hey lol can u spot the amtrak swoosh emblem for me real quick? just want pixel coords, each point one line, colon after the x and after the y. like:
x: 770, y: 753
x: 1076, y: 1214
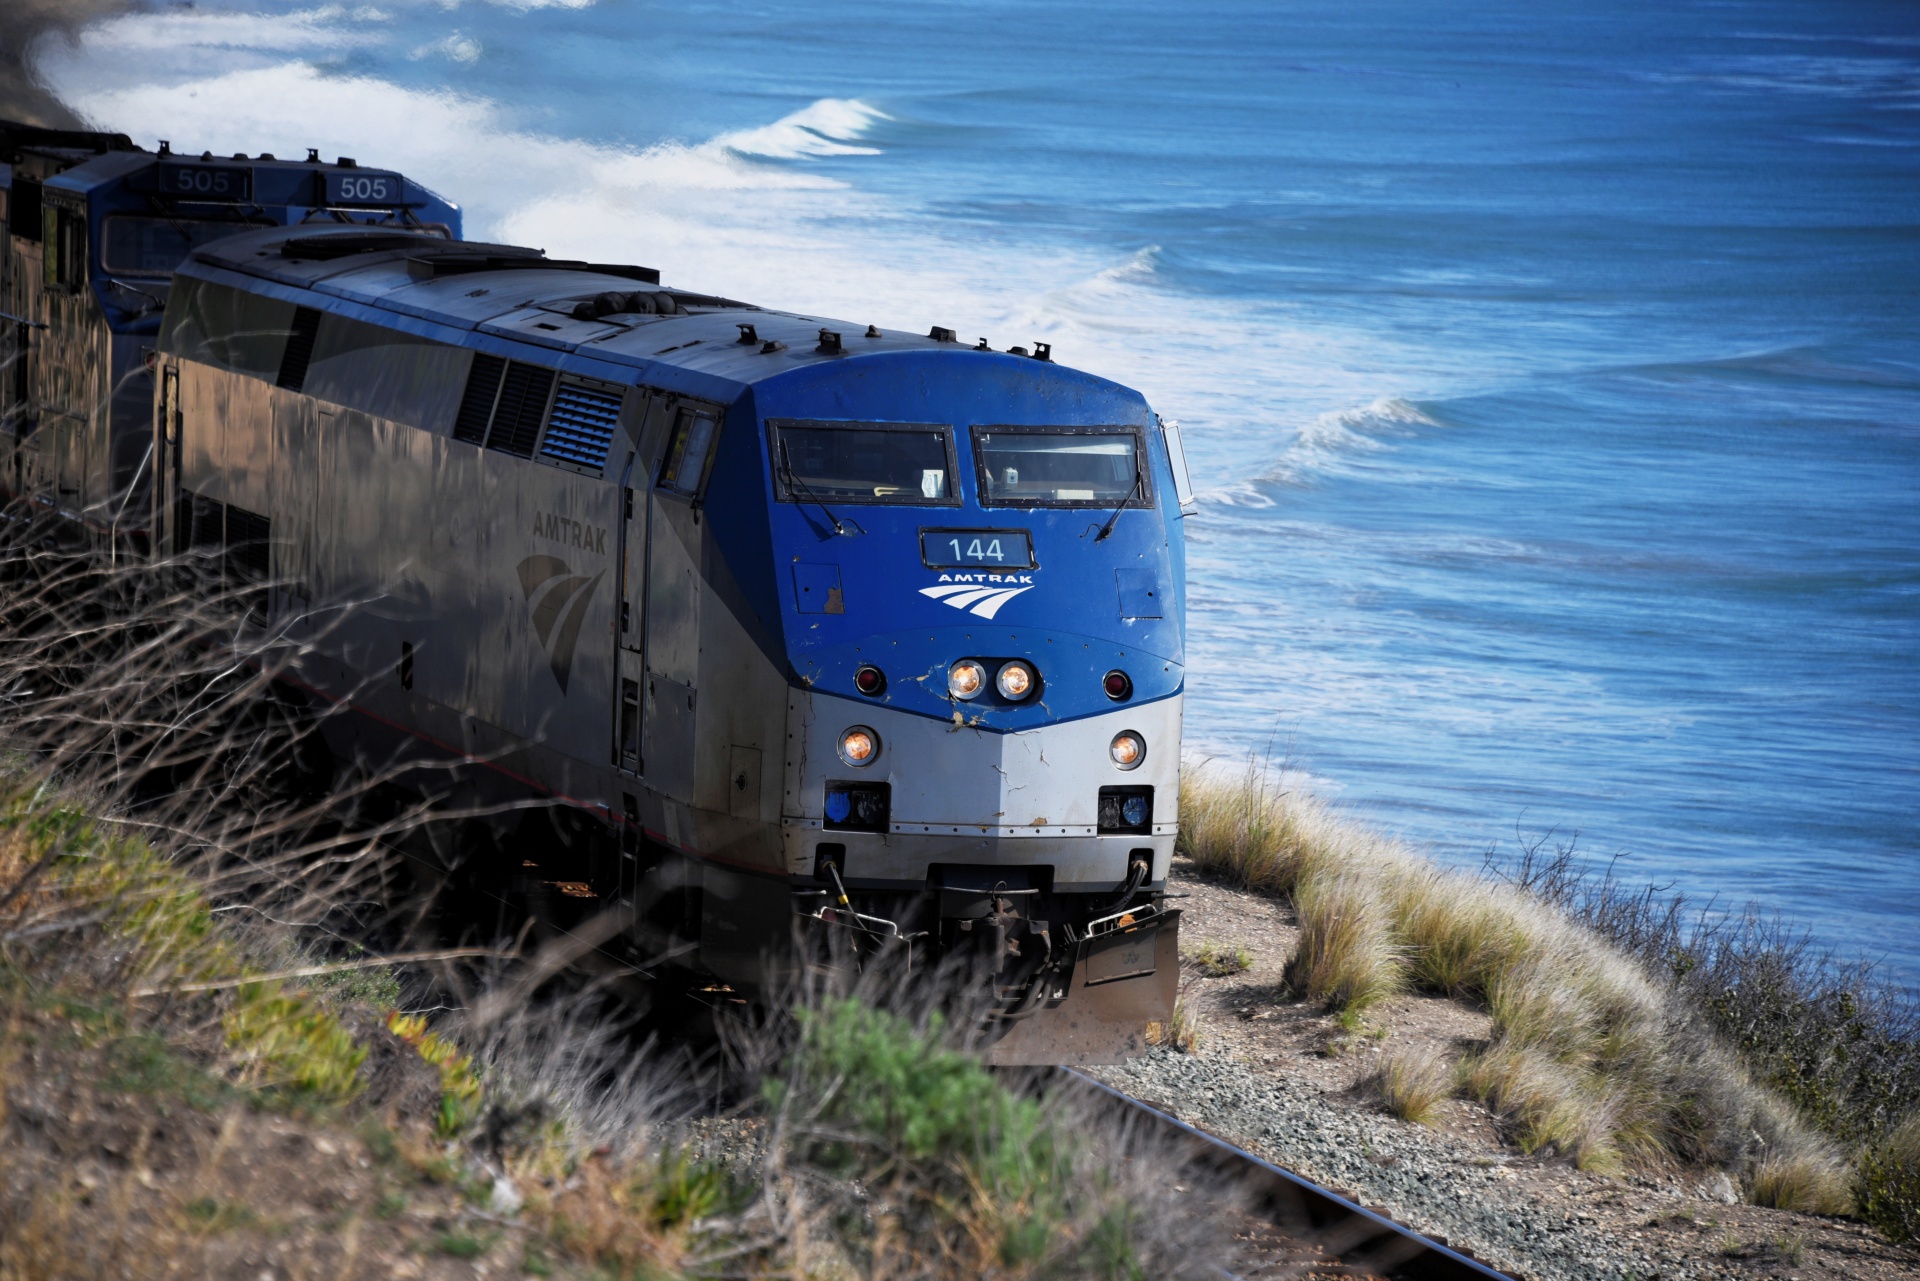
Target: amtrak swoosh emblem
x: 982, y: 601
x: 557, y: 598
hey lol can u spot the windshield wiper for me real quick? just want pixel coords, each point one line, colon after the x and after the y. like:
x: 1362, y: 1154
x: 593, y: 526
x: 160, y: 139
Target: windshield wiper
x: 794, y: 482
x: 1135, y: 488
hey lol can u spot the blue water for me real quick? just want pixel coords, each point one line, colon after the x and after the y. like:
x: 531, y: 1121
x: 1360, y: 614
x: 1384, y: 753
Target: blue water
x: 1550, y: 373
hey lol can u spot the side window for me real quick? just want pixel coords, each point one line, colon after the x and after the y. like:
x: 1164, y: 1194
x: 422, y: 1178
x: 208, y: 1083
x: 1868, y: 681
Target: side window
x: 64, y: 233
x: 1177, y: 457
x: 218, y: 325
x: 690, y: 454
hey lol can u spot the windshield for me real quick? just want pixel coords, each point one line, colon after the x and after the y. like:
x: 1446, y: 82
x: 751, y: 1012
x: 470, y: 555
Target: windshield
x: 852, y: 462
x: 140, y: 246
x: 1058, y: 466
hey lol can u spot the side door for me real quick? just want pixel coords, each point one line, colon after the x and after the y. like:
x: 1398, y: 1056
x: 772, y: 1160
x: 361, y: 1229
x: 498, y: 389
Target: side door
x: 673, y: 592
x: 168, y: 533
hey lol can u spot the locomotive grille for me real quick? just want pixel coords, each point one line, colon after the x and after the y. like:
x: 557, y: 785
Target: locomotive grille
x: 476, y: 406
x: 523, y: 403
x: 299, y: 350
x: 581, y: 429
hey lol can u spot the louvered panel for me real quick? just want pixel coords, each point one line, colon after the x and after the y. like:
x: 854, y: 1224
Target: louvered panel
x: 580, y: 430
x: 523, y: 403
x: 476, y: 405
x: 299, y: 350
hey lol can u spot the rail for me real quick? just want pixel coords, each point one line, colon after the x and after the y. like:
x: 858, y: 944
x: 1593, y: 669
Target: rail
x: 1350, y: 1239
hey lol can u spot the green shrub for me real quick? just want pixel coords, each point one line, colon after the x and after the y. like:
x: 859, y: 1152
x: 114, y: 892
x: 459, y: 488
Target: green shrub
x: 955, y: 1165
x: 1886, y: 1187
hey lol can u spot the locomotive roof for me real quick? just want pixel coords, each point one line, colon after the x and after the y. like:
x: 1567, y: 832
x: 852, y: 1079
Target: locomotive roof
x: 519, y: 293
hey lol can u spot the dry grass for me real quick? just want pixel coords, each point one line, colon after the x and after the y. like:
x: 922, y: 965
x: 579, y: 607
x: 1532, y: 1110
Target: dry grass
x: 1183, y: 1032
x: 1410, y: 1083
x: 1809, y: 1184
x: 1589, y: 1057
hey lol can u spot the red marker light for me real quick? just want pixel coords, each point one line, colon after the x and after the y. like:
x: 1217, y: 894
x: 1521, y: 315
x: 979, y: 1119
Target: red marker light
x: 1119, y: 686
x: 870, y: 680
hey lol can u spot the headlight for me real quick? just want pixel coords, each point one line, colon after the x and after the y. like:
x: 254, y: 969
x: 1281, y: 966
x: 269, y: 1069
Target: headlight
x: 1128, y: 749
x: 966, y: 678
x: 859, y: 745
x: 1015, y: 681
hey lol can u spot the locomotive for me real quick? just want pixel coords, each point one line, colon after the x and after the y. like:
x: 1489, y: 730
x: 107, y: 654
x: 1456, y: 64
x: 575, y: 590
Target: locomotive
x: 91, y: 228
x: 782, y: 621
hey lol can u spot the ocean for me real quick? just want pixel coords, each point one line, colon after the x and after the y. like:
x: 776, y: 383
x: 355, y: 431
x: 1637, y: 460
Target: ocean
x: 1550, y: 373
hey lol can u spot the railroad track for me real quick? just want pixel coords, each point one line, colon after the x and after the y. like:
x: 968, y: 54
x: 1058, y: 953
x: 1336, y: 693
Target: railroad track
x: 1319, y: 1232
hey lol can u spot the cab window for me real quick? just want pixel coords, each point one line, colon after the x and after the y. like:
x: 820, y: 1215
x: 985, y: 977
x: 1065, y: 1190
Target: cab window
x: 136, y: 245
x: 863, y: 462
x: 1059, y: 466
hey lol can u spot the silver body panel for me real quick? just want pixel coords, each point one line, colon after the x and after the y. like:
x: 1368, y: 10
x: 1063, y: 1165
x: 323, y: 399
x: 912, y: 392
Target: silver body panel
x: 964, y: 795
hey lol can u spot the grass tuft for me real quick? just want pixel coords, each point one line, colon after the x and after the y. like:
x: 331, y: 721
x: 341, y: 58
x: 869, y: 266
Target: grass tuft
x: 1347, y: 956
x: 1182, y: 1032
x: 1410, y: 1083
x: 1809, y: 1183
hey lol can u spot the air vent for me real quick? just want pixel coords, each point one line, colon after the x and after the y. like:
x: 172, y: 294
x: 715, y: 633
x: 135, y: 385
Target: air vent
x: 580, y: 431
x: 476, y: 406
x: 523, y: 403
x: 299, y: 350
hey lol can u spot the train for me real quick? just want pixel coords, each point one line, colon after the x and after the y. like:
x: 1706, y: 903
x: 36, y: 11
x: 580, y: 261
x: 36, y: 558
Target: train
x: 91, y: 228
x: 759, y: 627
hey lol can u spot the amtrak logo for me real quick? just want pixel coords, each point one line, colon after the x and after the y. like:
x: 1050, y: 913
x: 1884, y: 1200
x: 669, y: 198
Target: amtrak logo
x: 965, y: 592
x: 557, y: 598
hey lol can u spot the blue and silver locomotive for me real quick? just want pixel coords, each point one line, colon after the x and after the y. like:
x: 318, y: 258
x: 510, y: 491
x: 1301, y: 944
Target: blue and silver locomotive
x: 91, y: 228
x: 788, y: 619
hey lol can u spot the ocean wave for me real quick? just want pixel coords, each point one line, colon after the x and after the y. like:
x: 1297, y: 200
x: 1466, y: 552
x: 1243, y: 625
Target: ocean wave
x: 828, y: 127
x: 744, y: 213
x: 1331, y: 441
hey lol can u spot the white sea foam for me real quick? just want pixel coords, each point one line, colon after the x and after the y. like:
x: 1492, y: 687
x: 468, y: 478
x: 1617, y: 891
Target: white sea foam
x: 829, y: 127
x: 746, y: 213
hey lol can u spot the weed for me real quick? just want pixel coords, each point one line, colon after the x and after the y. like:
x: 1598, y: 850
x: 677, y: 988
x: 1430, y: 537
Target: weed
x: 380, y: 1141
x: 390, y: 1205
x: 146, y: 1064
x: 1791, y: 1247
x: 680, y: 1190
x: 211, y: 1215
x: 460, y: 1091
x: 461, y: 1245
x: 1181, y: 1032
x: 1220, y: 960
x: 291, y: 1042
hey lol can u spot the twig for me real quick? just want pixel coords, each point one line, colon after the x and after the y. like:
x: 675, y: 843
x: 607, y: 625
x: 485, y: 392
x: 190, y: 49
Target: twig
x: 314, y: 971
